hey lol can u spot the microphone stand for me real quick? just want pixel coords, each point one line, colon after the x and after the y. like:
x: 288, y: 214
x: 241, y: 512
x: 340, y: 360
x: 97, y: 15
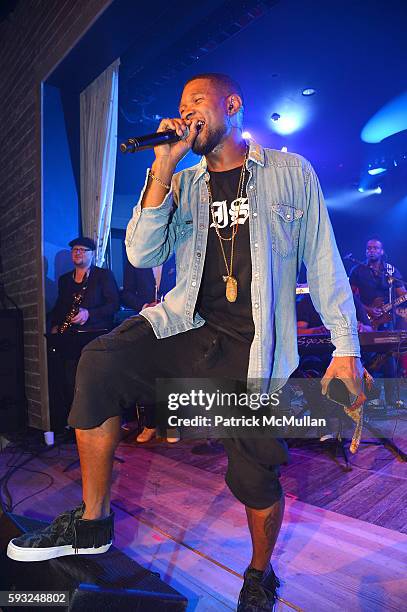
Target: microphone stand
x: 390, y: 280
x: 349, y: 257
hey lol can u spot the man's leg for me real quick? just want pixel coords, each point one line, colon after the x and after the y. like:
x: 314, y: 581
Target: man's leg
x: 264, y: 528
x: 99, y: 442
x: 253, y: 477
x: 150, y: 426
x: 109, y: 376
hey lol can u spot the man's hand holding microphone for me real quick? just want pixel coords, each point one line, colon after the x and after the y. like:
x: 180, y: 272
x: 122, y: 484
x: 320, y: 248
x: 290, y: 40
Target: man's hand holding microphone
x: 167, y: 157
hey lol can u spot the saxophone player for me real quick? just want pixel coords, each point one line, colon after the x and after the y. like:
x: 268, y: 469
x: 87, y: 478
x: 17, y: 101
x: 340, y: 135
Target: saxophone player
x: 87, y: 299
x: 96, y: 288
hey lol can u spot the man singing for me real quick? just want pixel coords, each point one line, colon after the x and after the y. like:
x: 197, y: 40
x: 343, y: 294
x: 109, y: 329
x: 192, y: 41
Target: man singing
x: 240, y: 223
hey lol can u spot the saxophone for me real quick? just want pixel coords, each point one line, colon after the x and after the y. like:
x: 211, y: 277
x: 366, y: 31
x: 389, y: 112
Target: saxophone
x: 77, y: 300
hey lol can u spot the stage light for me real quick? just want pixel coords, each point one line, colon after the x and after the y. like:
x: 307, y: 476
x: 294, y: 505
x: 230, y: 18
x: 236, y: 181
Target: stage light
x: 284, y: 149
x: 246, y: 135
x: 309, y: 91
x: 389, y: 120
x: 346, y: 198
x: 368, y: 191
x: 374, y: 171
x: 287, y: 124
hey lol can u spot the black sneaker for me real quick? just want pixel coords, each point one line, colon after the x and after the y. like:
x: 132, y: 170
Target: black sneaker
x: 68, y: 534
x: 259, y: 591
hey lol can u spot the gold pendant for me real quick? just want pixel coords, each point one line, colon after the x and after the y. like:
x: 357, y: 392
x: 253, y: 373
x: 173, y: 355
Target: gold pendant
x: 231, y: 288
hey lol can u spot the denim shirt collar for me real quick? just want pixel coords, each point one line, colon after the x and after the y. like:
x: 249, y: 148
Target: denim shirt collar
x: 256, y: 155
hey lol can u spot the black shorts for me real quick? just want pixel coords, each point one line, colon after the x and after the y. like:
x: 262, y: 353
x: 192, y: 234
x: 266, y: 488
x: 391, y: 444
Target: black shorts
x: 119, y: 369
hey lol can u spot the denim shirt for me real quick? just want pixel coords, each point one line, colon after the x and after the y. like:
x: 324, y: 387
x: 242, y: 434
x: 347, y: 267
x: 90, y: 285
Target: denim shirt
x: 288, y: 225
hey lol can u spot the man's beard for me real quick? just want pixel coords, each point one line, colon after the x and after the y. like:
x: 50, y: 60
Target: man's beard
x: 212, y: 140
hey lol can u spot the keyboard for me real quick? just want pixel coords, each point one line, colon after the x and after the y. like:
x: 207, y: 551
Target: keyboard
x: 375, y: 341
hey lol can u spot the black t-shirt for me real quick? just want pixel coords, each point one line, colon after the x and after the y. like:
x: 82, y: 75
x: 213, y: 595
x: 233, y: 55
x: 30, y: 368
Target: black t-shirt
x: 371, y: 285
x: 234, y: 318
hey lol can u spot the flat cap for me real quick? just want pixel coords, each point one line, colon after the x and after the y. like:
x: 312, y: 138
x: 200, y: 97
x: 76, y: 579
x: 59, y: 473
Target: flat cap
x: 83, y: 241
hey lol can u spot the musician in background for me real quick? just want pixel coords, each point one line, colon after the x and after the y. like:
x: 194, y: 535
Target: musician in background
x: 371, y: 283
x: 88, y: 298
x: 142, y: 288
x: 100, y: 295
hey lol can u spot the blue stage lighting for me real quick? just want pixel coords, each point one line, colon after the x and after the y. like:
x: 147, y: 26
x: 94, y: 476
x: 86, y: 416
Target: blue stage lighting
x: 287, y: 124
x: 377, y: 190
x: 389, y: 120
x: 374, y: 171
x: 246, y: 135
x: 347, y: 198
x: 309, y: 91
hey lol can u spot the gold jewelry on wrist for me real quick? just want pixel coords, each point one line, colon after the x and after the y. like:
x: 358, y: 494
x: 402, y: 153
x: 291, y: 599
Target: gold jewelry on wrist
x: 159, y: 181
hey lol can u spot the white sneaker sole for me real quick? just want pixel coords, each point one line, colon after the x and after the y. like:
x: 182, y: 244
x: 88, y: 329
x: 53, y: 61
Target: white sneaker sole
x: 18, y: 553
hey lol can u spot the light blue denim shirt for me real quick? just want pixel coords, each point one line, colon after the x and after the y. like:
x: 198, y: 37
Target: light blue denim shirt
x: 288, y: 225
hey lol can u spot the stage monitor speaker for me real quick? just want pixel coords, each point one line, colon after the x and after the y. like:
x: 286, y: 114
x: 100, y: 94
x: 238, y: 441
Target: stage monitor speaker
x: 111, y: 581
x: 12, y: 392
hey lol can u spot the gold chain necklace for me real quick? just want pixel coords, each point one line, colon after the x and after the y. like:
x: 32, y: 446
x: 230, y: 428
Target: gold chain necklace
x: 229, y: 279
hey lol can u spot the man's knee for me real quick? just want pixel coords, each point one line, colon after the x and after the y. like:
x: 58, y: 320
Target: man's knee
x: 107, y: 429
x: 253, y: 480
x: 258, y: 490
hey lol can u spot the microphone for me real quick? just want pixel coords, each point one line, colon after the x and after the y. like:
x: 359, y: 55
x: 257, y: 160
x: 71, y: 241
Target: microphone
x: 141, y: 143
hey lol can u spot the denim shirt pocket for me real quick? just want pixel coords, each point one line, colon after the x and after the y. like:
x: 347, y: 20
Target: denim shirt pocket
x: 184, y: 229
x: 285, y: 221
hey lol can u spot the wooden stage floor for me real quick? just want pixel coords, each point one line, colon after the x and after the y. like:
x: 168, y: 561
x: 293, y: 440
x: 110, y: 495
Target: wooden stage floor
x: 343, y: 545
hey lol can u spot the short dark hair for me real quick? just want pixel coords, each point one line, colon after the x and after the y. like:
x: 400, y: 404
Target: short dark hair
x: 223, y: 82
x: 376, y: 239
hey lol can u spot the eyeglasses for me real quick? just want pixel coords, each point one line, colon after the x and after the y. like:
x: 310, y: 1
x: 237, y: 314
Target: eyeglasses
x: 80, y: 250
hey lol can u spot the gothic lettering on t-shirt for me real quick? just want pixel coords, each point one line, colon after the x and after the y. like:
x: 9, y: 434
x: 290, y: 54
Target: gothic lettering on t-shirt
x: 230, y: 213
x: 225, y: 215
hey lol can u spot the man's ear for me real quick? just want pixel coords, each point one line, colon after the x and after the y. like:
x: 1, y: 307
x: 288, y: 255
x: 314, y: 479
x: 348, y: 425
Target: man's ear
x: 233, y: 104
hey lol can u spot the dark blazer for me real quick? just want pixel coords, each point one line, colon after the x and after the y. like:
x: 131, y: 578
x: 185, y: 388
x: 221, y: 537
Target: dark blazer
x: 139, y: 284
x: 101, y: 299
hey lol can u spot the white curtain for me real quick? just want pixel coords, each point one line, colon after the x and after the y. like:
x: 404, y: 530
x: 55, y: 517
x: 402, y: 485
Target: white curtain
x: 98, y: 126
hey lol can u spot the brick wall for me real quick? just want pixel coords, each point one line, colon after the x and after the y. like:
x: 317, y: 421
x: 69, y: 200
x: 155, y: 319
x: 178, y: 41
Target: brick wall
x: 33, y: 39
